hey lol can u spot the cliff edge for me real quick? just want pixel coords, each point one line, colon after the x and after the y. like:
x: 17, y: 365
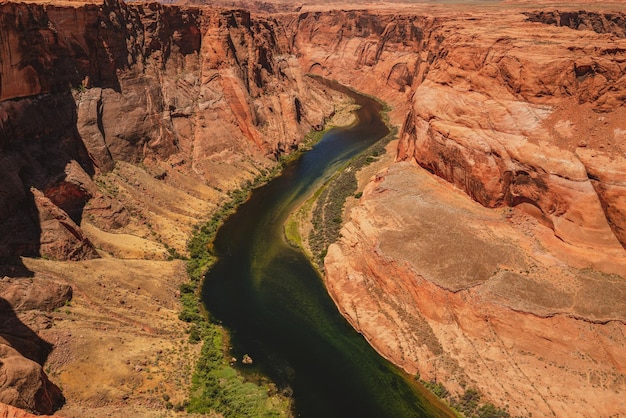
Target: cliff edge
x: 504, y: 273
x: 488, y: 257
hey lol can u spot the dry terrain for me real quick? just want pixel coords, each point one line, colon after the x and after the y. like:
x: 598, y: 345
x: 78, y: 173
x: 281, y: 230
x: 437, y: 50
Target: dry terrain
x: 479, y: 298
x: 487, y: 249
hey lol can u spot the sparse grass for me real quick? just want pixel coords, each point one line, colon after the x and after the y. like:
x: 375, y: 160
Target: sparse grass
x: 216, y: 385
x: 327, y: 213
x: 292, y: 232
x: 468, y: 404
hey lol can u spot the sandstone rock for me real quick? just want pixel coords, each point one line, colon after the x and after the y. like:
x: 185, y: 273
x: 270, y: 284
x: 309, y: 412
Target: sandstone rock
x: 25, y: 385
x: 454, y: 291
x: 495, y: 104
x: 210, y: 105
x: 106, y: 213
x: 481, y: 101
x: 41, y: 150
x: 60, y: 238
x: 34, y: 293
x: 489, y: 111
x: 491, y: 139
x: 614, y: 23
x: 8, y: 411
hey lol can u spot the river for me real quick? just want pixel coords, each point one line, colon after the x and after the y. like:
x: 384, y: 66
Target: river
x: 275, y: 305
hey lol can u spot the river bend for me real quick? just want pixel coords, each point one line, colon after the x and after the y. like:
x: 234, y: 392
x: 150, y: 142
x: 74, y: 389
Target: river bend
x: 276, y: 307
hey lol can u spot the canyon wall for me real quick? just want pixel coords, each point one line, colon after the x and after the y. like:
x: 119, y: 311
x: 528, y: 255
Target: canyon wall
x: 523, y: 113
x: 213, y: 93
x: 121, y: 128
x: 123, y: 125
x: 528, y: 121
x: 492, y: 112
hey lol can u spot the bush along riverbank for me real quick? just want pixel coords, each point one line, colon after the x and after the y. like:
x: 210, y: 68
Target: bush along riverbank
x: 324, y: 209
x: 327, y: 214
x: 216, y: 384
x: 468, y: 404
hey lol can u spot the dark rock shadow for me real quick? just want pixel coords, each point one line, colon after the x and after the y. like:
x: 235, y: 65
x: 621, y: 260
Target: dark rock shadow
x: 13, y: 267
x: 14, y: 333
x: 38, y: 140
x: 19, y: 336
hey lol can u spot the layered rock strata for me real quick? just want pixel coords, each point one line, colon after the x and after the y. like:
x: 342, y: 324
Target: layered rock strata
x: 168, y: 108
x: 122, y: 127
x: 524, y: 301
x: 213, y: 93
x: 24, y: 308
x: 475, y: 298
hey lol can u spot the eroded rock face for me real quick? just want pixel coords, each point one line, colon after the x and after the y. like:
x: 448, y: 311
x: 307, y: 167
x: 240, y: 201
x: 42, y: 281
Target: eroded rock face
x: 23, y: 303
x: 613, y: 23
x: 504, y: 125
x: 217, y: 93
x: 510, y: 110
x: 471, y: 297
x: 8, y: 411
x: 380, y: 54
x: 40, y: 151
x: 514, y: 114
x: 498, y: 112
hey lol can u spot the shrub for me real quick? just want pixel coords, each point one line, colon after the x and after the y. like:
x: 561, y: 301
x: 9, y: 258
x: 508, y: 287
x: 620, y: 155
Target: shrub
x: 216, y: 386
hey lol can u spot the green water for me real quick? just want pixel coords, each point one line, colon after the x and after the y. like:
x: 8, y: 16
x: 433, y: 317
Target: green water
x: 277, y: 310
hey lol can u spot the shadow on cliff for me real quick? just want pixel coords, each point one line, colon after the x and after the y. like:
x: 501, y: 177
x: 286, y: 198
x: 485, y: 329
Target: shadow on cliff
x: 44, y: 397
x: 21, y: 337
x: 13, y: 267
x: 61, y: 54
x: 39, y: 140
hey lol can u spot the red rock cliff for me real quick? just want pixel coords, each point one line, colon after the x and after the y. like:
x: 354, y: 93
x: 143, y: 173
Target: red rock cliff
x: 203, y: 98
x: 514, y: 113
x: 516, y: 110
x: 84, y: 87
x: 509, y: 119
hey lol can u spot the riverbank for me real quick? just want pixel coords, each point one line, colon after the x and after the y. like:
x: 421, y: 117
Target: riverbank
x: 120, y: 346
x: 272, y: 299
x: 218, y: 384
x: 315, y: 224
x: 319, y: 222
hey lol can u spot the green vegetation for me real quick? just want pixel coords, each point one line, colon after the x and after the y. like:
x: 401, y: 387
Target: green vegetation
x: 292, y: 230
x: 327, y: 214
x: 172, y: 253
x: 216, y: 385
x: 438, y: 389
x: 331, y: 197
x: 466, y: 405
x: 80, y: 88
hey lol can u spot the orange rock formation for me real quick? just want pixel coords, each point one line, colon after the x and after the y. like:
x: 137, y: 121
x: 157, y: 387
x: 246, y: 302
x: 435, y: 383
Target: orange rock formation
x: 515, y: 111
x: 189, y: 102
x: 503, y: 272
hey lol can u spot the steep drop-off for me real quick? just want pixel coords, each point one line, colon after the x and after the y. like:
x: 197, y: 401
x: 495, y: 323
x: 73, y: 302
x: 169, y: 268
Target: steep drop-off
x: 523, y: 302
x: 503, y: 272
x: 85, y: 87
x: 121, y: 127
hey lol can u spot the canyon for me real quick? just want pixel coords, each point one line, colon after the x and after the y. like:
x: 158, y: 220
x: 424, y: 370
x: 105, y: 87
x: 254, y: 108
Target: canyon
x: 487, y: 250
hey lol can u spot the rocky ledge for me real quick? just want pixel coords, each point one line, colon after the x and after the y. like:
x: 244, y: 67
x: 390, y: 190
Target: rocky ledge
x: 505, y: 272
x: 498, y: 265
